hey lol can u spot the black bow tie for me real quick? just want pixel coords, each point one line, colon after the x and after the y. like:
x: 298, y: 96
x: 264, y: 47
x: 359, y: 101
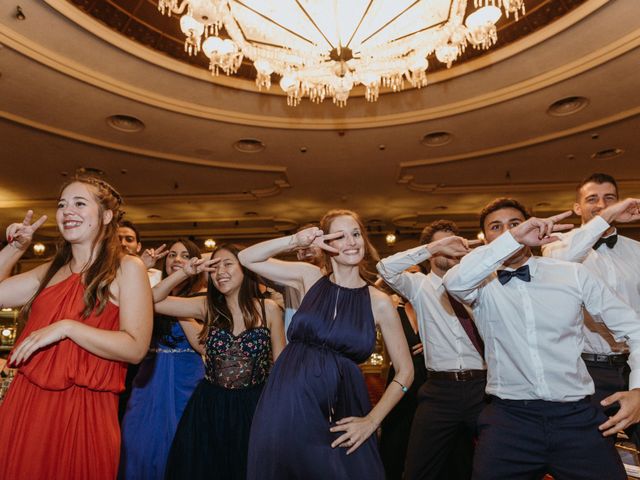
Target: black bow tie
x: 522, y: 273
x: 610, y: 241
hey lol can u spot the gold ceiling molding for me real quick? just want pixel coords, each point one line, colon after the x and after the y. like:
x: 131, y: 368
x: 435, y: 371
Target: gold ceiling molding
x: 154, y: 154
x: 407, y: 178
x: 503, y: 188
x: 80, y: 72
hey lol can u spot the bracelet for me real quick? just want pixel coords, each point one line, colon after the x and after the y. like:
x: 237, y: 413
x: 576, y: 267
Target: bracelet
x: 404, y: 389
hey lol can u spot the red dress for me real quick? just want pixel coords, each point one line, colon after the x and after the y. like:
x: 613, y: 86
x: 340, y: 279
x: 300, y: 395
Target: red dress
x: 59, y: 419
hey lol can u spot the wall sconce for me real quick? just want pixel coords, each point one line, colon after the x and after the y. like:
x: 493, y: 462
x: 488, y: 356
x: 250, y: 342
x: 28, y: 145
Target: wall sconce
x: 20, y: 14
x: 210, y: 244
x: 39, y: 249
x: 390, y: 239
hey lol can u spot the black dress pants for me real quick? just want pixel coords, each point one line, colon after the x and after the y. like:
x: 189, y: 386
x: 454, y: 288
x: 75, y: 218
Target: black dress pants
x: 443, y: 430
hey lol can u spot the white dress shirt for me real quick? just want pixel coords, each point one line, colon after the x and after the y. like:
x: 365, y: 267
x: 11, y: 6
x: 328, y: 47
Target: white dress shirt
x: 446, y: 344
x: 533, y: 330
x: 619, y: 267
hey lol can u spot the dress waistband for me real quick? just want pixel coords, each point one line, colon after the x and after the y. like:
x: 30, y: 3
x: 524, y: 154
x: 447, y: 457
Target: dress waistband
x: 171, y: 350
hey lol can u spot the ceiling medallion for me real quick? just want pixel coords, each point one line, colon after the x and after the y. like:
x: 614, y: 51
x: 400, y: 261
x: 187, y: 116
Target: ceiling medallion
x: 323, y: 48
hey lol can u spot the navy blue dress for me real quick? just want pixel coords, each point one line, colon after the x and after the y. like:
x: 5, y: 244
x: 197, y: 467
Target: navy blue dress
x: 316, y: 381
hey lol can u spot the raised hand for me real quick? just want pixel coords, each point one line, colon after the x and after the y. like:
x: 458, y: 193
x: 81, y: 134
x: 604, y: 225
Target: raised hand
x: 539, y: 231
x: 452, y: 246
x: 151, y: 255
x: 19, y: 235
x: 625, y: 211
x: 315, y: 236
x: 196, y: 266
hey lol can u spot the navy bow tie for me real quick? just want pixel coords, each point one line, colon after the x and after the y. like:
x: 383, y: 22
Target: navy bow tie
x: 610, y: 241
x: 522, y: 273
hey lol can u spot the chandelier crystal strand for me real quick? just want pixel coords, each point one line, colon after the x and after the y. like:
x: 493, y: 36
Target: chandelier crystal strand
x: 330, y: 47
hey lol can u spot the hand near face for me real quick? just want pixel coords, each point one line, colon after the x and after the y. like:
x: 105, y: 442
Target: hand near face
x: 625, y: 211
x: 196, y: 266
x: 151, y: 255
x: 19, y: 235
x: 539, y: 231
x: 451, y: 246
x: 314, y: 236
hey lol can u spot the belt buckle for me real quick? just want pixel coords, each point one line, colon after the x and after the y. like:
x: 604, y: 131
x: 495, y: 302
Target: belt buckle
x: 463, y: 375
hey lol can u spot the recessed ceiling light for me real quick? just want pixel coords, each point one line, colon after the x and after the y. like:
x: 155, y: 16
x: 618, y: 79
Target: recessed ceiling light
x: 607, y: 154
x: 125, y: 123
x: 250, y: 214
x: 436, y: 139
x: 153, y: 215
x: 249, y: 145
x: 567, y: 106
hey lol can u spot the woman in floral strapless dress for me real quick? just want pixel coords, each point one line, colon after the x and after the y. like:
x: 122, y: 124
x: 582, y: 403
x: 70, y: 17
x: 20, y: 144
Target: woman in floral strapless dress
x: 243, y: 335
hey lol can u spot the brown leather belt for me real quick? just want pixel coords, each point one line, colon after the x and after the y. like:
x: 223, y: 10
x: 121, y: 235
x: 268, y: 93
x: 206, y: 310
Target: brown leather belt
x: 458, y: 376
x: 616, y: 359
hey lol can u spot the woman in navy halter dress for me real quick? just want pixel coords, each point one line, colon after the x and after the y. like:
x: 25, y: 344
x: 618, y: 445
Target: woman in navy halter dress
x: 314, y: 419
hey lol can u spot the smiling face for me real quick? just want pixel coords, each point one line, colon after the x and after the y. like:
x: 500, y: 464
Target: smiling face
x: 351, y: 245
x: 79, y: 216
x: 228, y: 275
x: 178, y: 255
x: 594, y: 197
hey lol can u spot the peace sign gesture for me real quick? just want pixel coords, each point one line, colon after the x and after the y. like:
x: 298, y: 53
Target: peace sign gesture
x: 151, y: 255
x: 315, y: 236
x: 19, y: 235
x: 539, y: 231
x: 196, y: 266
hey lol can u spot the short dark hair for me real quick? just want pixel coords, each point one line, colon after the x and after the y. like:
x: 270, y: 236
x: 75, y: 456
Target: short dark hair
x: 499, y: 204
x: 128, y: 224
x: 438, y: 226
x: 598, y: 178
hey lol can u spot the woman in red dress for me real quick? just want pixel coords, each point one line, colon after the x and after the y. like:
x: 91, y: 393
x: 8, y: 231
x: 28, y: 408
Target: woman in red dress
x: 89, y: 312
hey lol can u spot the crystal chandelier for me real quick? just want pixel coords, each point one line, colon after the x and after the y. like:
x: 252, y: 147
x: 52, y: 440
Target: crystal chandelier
x: 323, y: 48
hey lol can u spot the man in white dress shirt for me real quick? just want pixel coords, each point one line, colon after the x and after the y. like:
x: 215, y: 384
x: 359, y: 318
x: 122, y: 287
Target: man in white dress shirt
x: 451, y: 399
x: 529, y: 312
x: 616, y: 259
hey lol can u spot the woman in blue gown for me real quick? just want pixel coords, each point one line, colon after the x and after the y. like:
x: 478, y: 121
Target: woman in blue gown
x: 164, y: 382
x: 314, y: 419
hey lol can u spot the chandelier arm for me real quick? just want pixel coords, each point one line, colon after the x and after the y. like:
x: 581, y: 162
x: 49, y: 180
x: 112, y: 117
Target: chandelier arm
x: 181, y: 8
x: 315, y: 25
x: 360, y: 23
x: 391, y: 21
x: 271, y: 20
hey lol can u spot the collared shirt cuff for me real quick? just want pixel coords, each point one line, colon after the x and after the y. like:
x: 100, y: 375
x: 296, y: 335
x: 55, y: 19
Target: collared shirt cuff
x: 634, y: 379
x: 597, y: 224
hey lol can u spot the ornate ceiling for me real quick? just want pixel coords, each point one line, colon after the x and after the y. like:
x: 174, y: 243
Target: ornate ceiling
x: 480, y: 129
